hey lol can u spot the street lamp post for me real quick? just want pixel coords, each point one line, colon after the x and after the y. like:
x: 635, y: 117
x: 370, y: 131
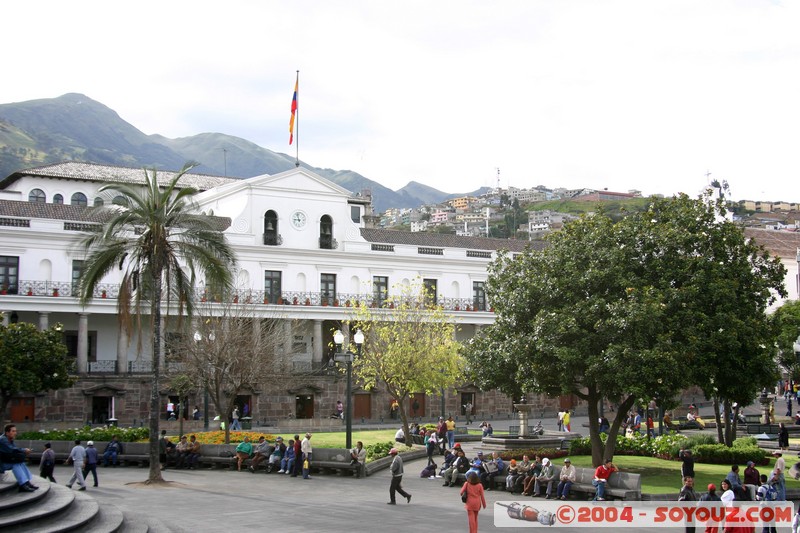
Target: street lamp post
x: 197, y: 339
x: 347, y: 357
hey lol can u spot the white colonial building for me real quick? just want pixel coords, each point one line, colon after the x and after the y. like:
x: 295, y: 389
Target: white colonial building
x: 306, y: 251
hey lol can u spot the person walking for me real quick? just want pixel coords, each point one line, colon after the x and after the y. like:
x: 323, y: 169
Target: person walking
x: 91, y: 462
x: 473, y: 498
x: 235, y: 426
x: 47, y: 463
x: 397, y: 478
x: 77, y: 457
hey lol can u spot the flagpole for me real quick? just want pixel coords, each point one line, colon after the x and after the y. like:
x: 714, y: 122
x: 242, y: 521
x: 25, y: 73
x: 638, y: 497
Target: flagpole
x: 297, y: 118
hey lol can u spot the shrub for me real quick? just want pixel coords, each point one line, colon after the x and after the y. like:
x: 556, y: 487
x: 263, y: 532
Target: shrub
x: 379, y: 450
x: 721, y: 454
x: 88, y: 433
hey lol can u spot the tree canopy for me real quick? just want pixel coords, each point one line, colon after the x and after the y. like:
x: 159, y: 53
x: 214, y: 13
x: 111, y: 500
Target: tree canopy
x: 409, y: 347
x: 786, y: 320
x: 32, y: 361
x: 635, y: 309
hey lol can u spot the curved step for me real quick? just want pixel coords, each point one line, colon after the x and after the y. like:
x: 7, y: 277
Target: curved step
x: 109, y: 519
x: 140, y: 523
x: 13, y: 498
x: 83, y: 509
x: 58, y: 499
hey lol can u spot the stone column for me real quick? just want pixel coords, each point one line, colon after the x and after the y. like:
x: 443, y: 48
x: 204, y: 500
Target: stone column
x: 316, y: 356
x: 83, y: 343
x: 346, y: 333
x: 122, y: 351
x: 287, y: 338
x: 44, y: 320
x: 5, y: 318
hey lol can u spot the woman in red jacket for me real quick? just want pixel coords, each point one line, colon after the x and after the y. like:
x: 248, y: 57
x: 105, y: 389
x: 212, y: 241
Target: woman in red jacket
x: 475, y: 499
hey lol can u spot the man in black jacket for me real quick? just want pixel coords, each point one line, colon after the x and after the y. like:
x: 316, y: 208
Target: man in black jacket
x: 13, y: 458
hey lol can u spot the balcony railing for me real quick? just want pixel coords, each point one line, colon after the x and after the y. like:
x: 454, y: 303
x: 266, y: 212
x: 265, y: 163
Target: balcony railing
x: 102, y: 367
x: 65, y: 289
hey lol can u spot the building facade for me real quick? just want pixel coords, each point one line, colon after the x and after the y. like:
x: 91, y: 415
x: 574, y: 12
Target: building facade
x: 305, y: 255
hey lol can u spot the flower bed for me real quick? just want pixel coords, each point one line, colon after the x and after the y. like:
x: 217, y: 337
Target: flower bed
x: 88, y: 433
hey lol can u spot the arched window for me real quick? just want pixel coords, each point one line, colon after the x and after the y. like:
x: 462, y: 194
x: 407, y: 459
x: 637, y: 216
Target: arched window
x: 79, y: 199
x: 37, y: 195
x: 119, y: 200
x: 326, y: 240
x: 58, y: 199
x: 98, y: 202
x: 271, y: 236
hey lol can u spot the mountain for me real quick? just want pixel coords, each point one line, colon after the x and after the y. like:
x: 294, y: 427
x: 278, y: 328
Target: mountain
x: 75, y: 127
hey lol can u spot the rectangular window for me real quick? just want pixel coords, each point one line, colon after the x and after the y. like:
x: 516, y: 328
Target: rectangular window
x: 380, y: 289
x: 430, y: 291
x: 71, y: 340
x: 272, y: 286
x: 327, y: 288
x: 355, y: 213
x: 77, y: 271
x: 479, y: 295
x: 9, y: 274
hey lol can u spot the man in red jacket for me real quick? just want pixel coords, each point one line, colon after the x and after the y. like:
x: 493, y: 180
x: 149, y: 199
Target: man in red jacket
x: 601, y: 475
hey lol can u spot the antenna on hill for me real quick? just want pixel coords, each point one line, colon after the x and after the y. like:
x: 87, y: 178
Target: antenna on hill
x: 225, y: 161
x: 498, y: 178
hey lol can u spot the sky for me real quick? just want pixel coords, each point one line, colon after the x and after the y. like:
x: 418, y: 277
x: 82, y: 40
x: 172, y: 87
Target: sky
x: 607, y: 94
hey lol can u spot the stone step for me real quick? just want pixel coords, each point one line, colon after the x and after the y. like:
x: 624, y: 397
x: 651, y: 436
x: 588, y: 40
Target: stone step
x: 58, y: 500
x: 7, y: 484
x: 109, y: 519
x: 80, y: 512
x: 139, y: 522
x: 13, y: 498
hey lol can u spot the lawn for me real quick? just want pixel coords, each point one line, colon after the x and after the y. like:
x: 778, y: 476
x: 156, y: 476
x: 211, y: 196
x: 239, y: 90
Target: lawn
x: 660, y: 476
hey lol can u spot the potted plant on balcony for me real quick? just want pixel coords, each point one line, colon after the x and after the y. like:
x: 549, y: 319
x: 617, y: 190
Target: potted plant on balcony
x: 308, y: 301
x: 266, y: 300
x: 30, y: 291
x: 294, y: 301
x: 236, y: 298
x: 103, y: 294
x: 280, y: 300
x: 55, y: 291
x: 4, y: 289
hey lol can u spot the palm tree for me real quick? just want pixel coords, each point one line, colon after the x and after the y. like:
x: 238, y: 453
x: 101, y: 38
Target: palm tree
x: 150, y: 234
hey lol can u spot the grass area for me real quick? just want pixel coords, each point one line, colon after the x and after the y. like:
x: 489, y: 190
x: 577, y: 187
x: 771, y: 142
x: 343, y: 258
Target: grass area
x: 660, y: 476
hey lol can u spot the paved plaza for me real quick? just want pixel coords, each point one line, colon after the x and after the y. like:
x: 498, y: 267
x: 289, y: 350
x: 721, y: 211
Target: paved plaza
x: 226, y: 500
x: 223, y: 500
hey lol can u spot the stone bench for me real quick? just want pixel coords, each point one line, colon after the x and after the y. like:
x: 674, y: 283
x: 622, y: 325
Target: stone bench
x: 334, y: 459
x: 621, y: 485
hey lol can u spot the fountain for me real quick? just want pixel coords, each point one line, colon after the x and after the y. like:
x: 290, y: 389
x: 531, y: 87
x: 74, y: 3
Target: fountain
x: 523, y: 440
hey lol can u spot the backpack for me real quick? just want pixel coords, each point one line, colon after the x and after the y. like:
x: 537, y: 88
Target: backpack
x: 771, y: 493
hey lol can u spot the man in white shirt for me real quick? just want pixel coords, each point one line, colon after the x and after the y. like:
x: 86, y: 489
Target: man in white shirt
x: 77, y: 457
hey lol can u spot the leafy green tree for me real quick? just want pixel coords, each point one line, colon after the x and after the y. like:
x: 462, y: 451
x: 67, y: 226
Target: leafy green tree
x: 151, y: 235
x: 719, y: 285
x: 409, y: 347
x: 32, y: 361
x: 786, y: 320
x: 624, y: 310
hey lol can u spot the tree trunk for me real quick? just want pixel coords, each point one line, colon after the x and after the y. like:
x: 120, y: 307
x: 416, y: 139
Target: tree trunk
x: 735, y: 423
x: 720, y: 436
x: 726, y: 405
x: 594, y: 428
x: 611, y: 442
x: 401, y: 403
x: 154, y: 475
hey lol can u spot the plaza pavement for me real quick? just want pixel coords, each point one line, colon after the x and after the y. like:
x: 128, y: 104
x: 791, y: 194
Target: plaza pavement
x: 223, y: 500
